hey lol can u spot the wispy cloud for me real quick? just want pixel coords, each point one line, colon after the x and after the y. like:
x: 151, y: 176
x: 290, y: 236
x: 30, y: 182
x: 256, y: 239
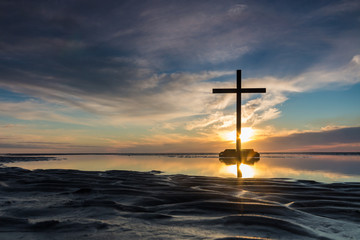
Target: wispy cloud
x: 266, y: 107
x: 159, y: 97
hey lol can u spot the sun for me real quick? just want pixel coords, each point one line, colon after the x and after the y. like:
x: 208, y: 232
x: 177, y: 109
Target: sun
x: 247, y: 134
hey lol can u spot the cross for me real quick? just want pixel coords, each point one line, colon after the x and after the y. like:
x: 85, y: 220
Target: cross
x: 238, y: 90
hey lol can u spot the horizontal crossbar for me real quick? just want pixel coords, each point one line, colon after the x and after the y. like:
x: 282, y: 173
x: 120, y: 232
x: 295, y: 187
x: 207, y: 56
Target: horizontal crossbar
x: 253, y: 90
x: 242, y: 90
x: 224, y: 90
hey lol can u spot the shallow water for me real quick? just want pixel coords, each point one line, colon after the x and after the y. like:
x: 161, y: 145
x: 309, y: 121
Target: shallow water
x: 325, y: 167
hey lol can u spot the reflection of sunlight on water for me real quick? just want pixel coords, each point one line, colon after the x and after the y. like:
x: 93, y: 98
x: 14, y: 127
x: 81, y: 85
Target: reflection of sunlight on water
x: 267, y: 171
x: 228, y: 169
x: 246, y: 170
x: 315, y: 167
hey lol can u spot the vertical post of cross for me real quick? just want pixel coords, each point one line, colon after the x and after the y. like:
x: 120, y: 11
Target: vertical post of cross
x: 238, y: 123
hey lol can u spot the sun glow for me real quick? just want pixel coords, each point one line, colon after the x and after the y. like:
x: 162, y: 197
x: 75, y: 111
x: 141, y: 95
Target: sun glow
x: 247, y: 134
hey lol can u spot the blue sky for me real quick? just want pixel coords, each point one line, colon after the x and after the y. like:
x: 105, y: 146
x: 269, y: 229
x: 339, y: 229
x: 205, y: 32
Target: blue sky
x: 126, y: 76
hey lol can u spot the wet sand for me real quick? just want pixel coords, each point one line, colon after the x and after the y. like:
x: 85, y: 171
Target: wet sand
x: 71, y: 204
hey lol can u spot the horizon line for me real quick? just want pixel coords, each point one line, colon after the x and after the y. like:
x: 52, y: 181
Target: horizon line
x: 174, y: 153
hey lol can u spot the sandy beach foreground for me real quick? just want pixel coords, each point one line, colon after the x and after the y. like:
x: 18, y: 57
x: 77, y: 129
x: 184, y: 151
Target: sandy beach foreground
x: 71, y: 204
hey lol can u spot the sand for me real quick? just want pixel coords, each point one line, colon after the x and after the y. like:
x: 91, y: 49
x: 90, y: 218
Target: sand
x: 71, y: 204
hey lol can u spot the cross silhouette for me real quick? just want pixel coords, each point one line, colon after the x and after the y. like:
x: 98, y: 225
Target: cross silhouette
x: 238, y: 90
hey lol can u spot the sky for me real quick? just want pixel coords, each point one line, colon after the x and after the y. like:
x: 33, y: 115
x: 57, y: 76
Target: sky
x: 137, y: 76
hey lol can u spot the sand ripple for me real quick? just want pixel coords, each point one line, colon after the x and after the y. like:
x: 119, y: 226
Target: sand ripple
x: 71, y: 204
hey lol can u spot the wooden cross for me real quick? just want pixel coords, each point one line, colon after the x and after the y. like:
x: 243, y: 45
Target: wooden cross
x: 238, y: 90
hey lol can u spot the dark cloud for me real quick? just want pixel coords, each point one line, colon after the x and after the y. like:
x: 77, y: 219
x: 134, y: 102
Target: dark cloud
x: 334, y: 140
x: 11, y: 146
x: 103, y: 53
x: 52, y: 146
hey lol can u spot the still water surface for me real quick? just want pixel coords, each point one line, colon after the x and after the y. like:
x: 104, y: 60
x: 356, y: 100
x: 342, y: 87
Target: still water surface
x: 319, y: 167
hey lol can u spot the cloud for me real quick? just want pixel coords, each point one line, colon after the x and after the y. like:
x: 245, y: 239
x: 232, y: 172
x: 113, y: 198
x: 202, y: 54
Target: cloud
x: 159, y: 97
x: 216, y: 120
x: 119, y: 58
x: 338, y: 8
x: 330, y: 79
x: 34, y: 110
x: 340, y: 139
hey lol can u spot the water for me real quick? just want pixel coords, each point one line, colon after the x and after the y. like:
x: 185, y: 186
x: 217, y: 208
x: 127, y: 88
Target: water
x: 323, y: 167
x: 61, y: 204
